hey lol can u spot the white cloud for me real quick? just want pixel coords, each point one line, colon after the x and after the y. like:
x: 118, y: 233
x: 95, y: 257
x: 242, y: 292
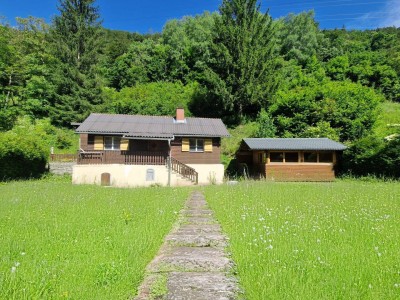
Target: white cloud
x: 387, y: 16
x: 391, y: 14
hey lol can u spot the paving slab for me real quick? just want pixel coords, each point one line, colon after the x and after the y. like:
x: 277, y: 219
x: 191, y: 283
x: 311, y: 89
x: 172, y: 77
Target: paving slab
x: 199, y: 220
x: 190, y: 259
x: 215, y: 286
x: 197, y: 212
x: 204, y: 228
x: 194, y: 239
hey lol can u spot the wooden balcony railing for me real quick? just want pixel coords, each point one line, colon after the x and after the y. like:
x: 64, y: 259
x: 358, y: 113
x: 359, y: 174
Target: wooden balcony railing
x: 63, y: 157
x: 122, y: 157
x: 184, y: 170
x: 146, y: 158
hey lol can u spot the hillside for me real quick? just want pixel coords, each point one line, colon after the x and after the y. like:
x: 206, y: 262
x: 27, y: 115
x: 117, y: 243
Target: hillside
x: 289, y: 78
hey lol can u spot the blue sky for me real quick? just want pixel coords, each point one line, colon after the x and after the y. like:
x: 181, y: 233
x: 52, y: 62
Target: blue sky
x: 150, y: 15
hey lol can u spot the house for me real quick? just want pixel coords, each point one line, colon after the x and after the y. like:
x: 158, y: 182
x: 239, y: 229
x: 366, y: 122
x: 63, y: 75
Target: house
x: 133, y: 150
x: 290, y: 159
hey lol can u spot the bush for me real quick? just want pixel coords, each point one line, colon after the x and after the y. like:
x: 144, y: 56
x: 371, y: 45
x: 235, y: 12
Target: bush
x: 343, y: 109
x: 373, y: 156
x: 21, y: 156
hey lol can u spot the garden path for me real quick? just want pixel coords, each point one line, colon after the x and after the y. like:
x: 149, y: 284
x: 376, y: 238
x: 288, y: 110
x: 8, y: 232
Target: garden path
x: 192, y: 263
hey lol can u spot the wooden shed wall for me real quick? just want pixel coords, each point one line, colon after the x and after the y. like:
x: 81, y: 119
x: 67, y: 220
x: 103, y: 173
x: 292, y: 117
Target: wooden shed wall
x: 300, y: 172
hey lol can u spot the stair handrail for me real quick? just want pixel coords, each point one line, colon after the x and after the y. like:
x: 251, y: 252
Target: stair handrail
x: 184, y: 170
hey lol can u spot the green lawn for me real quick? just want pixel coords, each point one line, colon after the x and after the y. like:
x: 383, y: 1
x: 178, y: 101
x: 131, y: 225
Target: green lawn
x: 313, y: 241
x: 59, y: 241
x: 390, y: 115
x: 289, y: 240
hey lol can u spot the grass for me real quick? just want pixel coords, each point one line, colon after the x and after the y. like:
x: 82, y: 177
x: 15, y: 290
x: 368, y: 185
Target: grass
x: 313, y: 241
x: 60, y: 241
x: 390, y: 115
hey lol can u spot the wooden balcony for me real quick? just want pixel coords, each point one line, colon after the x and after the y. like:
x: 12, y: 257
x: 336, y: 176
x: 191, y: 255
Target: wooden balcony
x: 122, y: 157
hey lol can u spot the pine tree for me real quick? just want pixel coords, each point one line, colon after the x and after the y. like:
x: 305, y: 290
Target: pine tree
x: 75, y: 37
x: 242, y: 78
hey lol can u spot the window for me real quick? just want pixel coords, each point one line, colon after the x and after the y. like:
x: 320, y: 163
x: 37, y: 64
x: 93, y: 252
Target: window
x: 196, y: 145
x: 112, y: 143
x: 276, y: 157
x: 150, y: 175
x: 292, y: 157
x: 325, y: 157
x: 310, y: 157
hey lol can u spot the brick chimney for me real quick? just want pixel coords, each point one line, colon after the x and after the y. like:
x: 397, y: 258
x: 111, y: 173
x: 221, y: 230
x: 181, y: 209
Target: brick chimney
x: 180, y: 115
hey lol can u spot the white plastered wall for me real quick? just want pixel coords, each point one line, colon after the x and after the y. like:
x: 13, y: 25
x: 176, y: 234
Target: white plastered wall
x: 135, y: 175
x: 209, y: 174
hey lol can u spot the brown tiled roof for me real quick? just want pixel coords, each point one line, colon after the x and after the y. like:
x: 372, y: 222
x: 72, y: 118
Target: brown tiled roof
x: 151, y: 126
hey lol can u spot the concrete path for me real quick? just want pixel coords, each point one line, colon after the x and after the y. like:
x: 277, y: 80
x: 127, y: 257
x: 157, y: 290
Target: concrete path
x: 192, y: 264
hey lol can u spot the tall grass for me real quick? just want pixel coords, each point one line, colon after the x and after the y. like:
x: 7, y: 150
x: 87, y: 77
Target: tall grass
x: 80, y: 242
x: 390, y: 115
x: 313, y: 241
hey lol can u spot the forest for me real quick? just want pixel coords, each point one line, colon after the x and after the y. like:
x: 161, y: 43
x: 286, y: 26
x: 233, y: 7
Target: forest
x: 264, y: 77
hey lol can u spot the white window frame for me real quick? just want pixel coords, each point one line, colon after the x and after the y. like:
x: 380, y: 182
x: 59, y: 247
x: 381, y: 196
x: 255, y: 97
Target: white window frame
x: 197, y: 147
x: 115, y: 143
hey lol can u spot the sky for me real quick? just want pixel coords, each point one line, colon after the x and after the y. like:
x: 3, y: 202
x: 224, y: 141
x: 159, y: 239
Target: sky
x: 149, y: 16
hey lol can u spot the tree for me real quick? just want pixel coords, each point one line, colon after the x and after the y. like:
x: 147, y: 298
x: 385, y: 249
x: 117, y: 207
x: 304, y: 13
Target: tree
x: 241, y: 77
x: 75, y: 37
x: 25, y: 64
x: 155, y: 98
x: 338, y: 67
x: 350, y: 109
x: 265, y: 126
x: 300, y: 37
x: 189, y: 41
x: 145, y: 61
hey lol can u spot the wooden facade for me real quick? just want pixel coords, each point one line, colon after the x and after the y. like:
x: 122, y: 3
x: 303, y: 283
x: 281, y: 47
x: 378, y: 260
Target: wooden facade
x: 141, y: 151
x: 212, y: 156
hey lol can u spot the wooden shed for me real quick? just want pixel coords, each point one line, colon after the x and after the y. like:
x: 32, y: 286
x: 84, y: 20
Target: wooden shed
x: 290, y: 159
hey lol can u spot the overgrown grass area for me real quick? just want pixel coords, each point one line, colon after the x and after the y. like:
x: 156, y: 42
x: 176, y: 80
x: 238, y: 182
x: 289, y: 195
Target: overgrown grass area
x: 59, y: 241
x: 390, y: 116
x: 313, y: 240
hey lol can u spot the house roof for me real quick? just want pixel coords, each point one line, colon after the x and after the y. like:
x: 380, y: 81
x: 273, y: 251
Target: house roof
x: 152, y: 127
x: 293, y: 144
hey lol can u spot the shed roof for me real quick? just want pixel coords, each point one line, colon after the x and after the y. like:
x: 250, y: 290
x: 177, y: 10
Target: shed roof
x: 293, y: 144
x: 162, y: 127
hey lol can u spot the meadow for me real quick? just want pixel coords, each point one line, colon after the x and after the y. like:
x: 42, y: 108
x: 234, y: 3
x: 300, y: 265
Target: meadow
x: 59, y: 241
x: 336, y: 240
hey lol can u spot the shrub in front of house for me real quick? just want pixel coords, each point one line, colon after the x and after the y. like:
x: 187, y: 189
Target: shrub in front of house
x: 22, y: 155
